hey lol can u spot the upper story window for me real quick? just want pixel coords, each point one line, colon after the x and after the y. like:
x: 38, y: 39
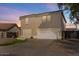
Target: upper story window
x: 44, y: 18
x: 48, y: 18
x: 26, y: 20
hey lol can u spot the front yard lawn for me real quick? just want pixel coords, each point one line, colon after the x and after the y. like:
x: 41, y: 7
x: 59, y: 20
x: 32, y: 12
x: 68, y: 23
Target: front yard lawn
x: 15, y: 41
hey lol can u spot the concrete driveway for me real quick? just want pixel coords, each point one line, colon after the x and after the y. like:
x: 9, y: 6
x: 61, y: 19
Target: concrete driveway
x: 34, y: 47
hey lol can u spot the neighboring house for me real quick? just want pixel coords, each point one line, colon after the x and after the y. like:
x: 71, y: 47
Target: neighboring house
x: 8, y: 30
x: 71, y: 31
x: 48, y: 25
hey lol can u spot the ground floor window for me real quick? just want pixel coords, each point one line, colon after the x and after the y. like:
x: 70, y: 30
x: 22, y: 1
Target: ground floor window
x: 12, y: 34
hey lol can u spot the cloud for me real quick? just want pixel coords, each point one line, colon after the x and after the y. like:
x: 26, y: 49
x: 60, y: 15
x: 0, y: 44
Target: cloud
x: 11, y: 15
x: 11, y: 10
x: 52, y: 6
x: 8, y: 13
x: 11, y: 21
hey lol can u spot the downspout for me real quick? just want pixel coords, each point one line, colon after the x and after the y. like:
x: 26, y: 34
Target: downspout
x: 63, y: 25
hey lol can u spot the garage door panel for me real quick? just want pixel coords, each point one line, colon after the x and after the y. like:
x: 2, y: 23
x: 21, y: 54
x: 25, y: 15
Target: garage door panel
x: 47, y: 34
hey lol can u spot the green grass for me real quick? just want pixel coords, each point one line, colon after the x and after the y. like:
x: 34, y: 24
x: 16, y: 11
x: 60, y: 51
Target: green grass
x: 13, y: 42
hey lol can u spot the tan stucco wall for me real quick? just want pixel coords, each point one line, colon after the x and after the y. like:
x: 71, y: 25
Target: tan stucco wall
x: 26, y: 33
x: 57, y: 20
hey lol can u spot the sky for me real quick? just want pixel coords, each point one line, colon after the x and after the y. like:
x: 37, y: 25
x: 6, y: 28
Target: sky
x: 10, y: 12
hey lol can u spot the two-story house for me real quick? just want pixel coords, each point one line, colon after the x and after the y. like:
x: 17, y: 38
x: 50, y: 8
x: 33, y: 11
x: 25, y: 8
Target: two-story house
x: 48, y: 25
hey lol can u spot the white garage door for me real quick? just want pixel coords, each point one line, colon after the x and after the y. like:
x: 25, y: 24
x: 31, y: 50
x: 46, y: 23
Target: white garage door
x: 47, y: 34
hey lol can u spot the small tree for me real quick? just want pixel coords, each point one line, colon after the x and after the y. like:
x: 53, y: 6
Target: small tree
x: 74, y: 7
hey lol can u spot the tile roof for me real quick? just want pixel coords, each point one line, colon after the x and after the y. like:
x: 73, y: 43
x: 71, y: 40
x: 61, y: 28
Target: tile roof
x: 6, y: 26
